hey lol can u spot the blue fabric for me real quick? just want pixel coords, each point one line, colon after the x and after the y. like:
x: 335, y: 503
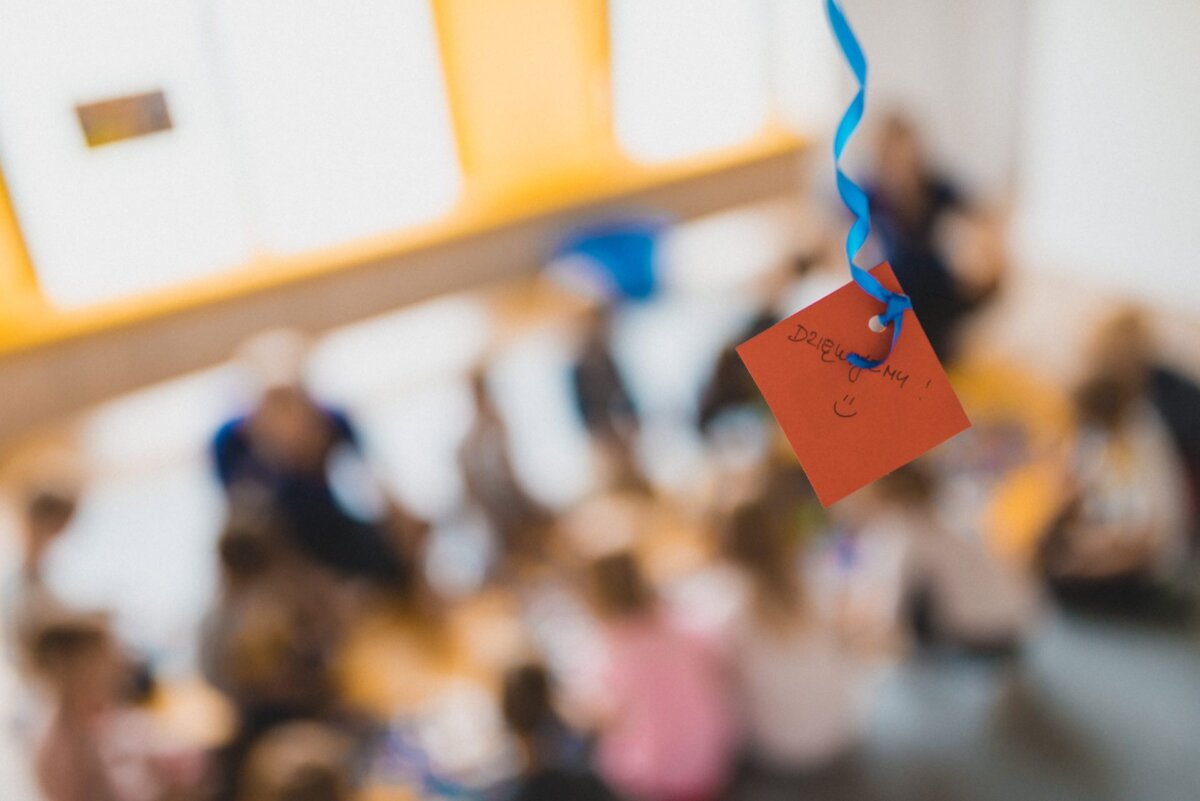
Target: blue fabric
x: 853, y: 195
x: 624, y: 251
x: 314, y: 518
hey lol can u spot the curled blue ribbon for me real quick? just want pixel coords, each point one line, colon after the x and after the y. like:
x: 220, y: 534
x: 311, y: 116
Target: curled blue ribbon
x: 853, y: 195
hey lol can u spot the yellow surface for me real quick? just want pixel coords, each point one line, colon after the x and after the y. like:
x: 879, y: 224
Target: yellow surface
x: 1020, y: 511
x: 387, y: 794
x: 194, y: 713
x: 998, y: 392
x: 1025, y: 501
x: 527, y: 82
x: 529, y: 91
x: 395, y: 663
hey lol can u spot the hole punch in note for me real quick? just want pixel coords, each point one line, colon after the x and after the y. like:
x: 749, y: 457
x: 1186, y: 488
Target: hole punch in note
x: 849, y: 426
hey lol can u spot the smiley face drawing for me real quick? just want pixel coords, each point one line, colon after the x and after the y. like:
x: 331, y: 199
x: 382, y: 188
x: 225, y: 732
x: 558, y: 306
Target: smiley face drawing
x: 843, y: 408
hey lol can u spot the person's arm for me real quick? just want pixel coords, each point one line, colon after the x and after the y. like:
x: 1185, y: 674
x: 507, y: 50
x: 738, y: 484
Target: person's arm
x: 229, y: 446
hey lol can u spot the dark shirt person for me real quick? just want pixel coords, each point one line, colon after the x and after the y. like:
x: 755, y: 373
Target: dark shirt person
x: 1123, y: 348
x: 729, y: 387
x: 909, y: 204
x: 605, y: 404
x: 491, y: 480
x: 555, y: 767
x: 1176, y: 398
x: 284, y: 447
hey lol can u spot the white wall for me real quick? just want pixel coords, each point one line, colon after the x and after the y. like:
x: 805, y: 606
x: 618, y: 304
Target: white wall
x: 1084, y: 112
x: 1110, y: 173
x: 958, y: 67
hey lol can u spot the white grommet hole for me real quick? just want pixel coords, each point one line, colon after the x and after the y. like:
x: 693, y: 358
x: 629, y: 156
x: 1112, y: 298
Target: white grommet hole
x: 876, y: 325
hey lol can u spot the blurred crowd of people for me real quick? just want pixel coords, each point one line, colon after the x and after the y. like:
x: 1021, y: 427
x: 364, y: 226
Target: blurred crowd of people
x: 754, y: 657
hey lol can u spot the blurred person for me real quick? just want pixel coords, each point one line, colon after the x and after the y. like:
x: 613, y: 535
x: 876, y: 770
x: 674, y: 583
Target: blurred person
x: 47, y: 511
x: 554, y: 766
x: 270, y: 641
x: 286, y: 445
x: 97, y: 747
x: 801, y: 679
x: 1123, y: 348
x: 729, y: 387
x: 47, y: 508
x: 300, y: 761
x: 789, y: 495
x: 912, y: 208
x: 518, y: 520
x: 1120, y: 535
x: 33, y: 609
x: 670, y: 730
x: 731, y: 412
x: 957, y: 593
x: 784, y: 290
x: 605, y: 405
x: 618, y: 472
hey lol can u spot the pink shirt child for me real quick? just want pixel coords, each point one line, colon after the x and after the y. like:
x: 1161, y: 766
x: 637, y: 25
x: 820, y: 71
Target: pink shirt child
x: 672, y: 731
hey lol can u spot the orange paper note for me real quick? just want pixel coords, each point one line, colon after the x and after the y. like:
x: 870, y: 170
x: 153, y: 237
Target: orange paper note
x: 850, y: 426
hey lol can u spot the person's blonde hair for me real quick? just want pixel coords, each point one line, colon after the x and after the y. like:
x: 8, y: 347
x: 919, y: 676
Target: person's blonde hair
x: 301, y: 761
x: 58, y: 646
x: 618, y: 587
x: 756, y: 542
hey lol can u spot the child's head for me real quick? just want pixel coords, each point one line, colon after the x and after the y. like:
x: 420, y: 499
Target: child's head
x: 243, y: 556
x: 618, y: 588
x: 303, y: 761
x: 290, y: 427
x: 910, y: 487
x: 1103, y: 402
x: 900, y: 153
x: 526, y: 701
x: 1122, y: 347
x: 789, y: 495
x: 79, y: 661
x: 48, y: 511
x: 756, y: 541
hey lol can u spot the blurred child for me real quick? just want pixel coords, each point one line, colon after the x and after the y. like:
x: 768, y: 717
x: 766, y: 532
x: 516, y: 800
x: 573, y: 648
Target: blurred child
x: 285, y: 446
x: 277, y: 621
x: 1122, y: 527
x: 81, y: 667
x: 300, y: 761
x: 94, y: 748
x: 670, y: 730
x: 783, y: 291
x: 48, y: 512
x: 270, y: 641
x: 1123, y: 349
x: 605, y: 404
x: 517, y: 520
x: 957, y: 593
x: 554, y: 767
x: 800, y: 681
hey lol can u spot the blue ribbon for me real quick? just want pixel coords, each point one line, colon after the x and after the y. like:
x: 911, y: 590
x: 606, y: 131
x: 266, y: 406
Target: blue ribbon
x: 853, y: 195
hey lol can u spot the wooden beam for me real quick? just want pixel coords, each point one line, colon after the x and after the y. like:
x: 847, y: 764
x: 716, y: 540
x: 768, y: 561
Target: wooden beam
x: 50, y: 381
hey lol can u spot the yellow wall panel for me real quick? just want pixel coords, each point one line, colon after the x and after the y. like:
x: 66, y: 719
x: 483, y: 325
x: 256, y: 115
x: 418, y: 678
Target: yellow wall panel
x: 529, y: 85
